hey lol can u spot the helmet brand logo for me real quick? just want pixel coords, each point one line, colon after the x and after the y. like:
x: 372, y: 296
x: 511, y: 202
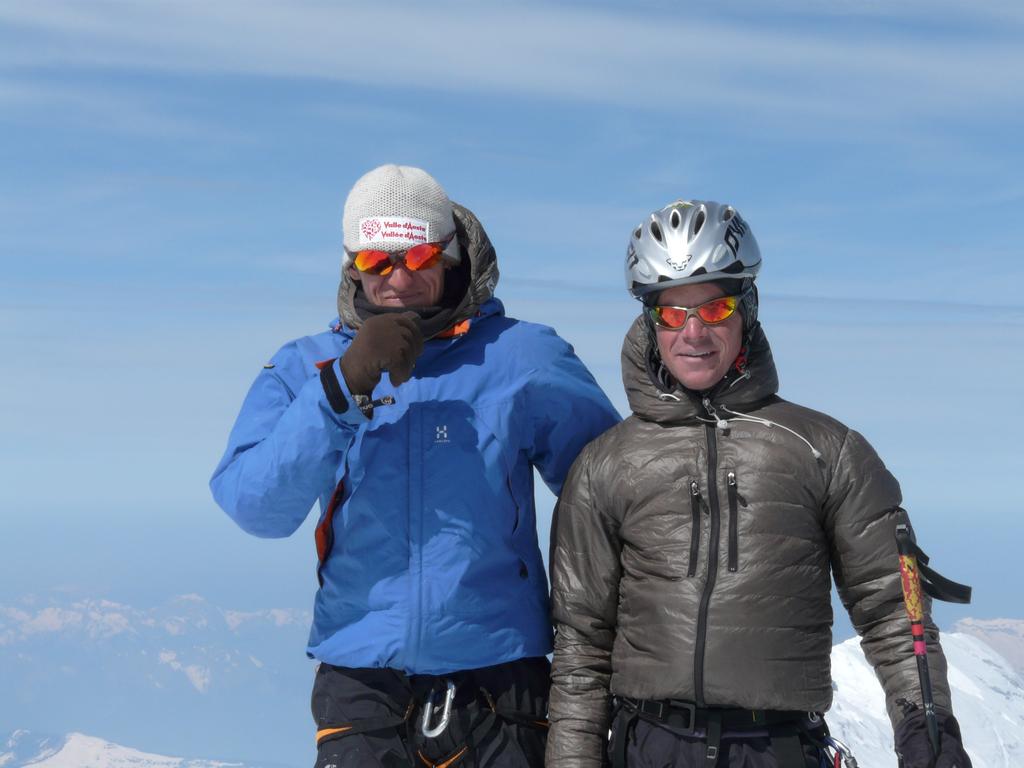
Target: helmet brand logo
x: 632, y: 258
x: 679, y: 264
x: 737, y: 229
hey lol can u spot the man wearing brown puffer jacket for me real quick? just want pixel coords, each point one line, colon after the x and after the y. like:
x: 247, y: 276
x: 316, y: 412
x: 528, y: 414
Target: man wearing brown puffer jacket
x: 694, y: 543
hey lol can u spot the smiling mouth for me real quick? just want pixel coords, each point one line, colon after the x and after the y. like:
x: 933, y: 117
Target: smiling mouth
x: 697, y: 355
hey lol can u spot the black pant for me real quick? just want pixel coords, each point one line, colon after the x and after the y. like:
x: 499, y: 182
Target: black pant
x: 651, y: 745
x: 371, y: 717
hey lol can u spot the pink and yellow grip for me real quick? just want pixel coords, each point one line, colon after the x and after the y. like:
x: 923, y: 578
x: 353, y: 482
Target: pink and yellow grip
x: 914, y: 601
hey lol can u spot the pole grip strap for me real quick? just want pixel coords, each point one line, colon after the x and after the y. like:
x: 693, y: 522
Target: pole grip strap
x: 934, y: 584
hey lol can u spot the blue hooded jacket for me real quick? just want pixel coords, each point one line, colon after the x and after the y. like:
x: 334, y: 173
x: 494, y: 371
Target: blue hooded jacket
x: 428, y: 554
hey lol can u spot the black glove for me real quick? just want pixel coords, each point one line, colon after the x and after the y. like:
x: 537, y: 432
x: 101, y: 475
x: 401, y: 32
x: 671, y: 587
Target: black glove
x: 389, y: 342
x: 915, y: 750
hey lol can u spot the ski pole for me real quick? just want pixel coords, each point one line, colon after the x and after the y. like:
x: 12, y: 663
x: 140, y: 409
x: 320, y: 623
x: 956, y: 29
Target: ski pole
x: 913, y: 600
x: 917, y: 579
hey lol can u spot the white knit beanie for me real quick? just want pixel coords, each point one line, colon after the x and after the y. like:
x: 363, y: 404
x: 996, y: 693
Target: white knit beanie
x: 395, y: 207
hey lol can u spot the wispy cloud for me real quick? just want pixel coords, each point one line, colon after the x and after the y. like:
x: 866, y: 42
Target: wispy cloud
x: 984, y: 11
x: 103, y: 619
x: 660, y: 62
x: 93, y: 619
x: 124, y: 111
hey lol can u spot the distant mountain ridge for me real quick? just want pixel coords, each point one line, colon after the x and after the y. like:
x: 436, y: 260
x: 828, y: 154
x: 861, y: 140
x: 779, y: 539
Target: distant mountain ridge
x: 238, y: 684
x: 1006, y: 636
x: 76, y: 750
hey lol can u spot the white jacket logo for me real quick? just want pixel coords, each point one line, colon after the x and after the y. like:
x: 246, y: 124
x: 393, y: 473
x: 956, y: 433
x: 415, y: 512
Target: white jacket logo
x: 441, y: 434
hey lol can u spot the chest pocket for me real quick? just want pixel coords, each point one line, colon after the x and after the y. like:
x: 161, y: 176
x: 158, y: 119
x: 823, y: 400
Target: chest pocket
x: 735, y: 500
x: 667, y: 532
x: 465, y: 474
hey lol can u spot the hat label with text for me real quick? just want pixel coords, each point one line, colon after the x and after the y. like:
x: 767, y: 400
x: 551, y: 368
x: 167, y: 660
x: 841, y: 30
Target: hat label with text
x: 393, y: 229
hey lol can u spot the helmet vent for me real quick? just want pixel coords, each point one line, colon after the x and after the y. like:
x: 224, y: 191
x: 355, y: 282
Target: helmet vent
x: 656, y: 232
x: 698, y: 222
x: 637, y: 232
x: 727, y: 214
x: 674, y: 219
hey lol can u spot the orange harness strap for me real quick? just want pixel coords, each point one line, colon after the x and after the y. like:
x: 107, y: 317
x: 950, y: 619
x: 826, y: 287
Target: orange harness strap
x: 447, y: 763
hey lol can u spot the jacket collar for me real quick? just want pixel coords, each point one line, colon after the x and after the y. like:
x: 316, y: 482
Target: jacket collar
x: 739, y: 389
x: 489, y: 308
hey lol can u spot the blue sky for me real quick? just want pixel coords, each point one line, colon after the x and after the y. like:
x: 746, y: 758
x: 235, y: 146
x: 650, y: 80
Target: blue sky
x: 170, y: 206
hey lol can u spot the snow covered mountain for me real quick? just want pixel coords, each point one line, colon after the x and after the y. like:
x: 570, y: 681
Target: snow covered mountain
x: 1006, y: 636
x: 237, y: 683
x: 234, y: 683
x: 988, y: 697
x: 24, y: 750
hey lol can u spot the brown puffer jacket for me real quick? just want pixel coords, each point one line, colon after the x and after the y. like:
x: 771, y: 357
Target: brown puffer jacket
x: 692, y: 561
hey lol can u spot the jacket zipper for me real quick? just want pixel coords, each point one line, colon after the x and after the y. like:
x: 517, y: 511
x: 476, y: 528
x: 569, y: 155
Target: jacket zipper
x: 734, y: 560
x: 695, y: 530
x: 415, y: 496
x: 709, y: 585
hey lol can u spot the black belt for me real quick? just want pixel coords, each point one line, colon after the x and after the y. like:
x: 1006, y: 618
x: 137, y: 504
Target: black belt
x: 784, y: 727
x: 689, y: 717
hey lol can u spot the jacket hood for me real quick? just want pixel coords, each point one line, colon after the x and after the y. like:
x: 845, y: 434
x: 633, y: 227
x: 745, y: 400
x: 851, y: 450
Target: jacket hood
x: 736, y: 390
x: 483, y: 271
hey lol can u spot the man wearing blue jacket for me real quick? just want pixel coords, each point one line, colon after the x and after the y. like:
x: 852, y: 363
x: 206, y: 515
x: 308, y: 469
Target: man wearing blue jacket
x: 417, y: 421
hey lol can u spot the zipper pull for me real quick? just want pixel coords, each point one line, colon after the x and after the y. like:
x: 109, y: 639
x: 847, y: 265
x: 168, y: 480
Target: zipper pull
x: 731, y: 477
x: 722, y: 424
x: 698, y: 502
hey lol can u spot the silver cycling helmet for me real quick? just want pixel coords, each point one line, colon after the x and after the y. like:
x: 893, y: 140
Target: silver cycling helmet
x: 690, y: 241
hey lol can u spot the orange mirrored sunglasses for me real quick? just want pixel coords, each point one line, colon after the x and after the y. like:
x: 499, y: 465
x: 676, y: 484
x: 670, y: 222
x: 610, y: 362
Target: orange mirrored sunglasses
x: 422, y: 256
x: 710, y: 312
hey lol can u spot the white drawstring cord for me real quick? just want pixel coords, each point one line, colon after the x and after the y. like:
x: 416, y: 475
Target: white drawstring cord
x: 738, y: 379
x: 723, y: 424
x: 765, y: 422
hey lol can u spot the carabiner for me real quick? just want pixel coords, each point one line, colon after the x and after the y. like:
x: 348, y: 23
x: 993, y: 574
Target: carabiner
x: 428, y: 713
x: 841, y: 749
